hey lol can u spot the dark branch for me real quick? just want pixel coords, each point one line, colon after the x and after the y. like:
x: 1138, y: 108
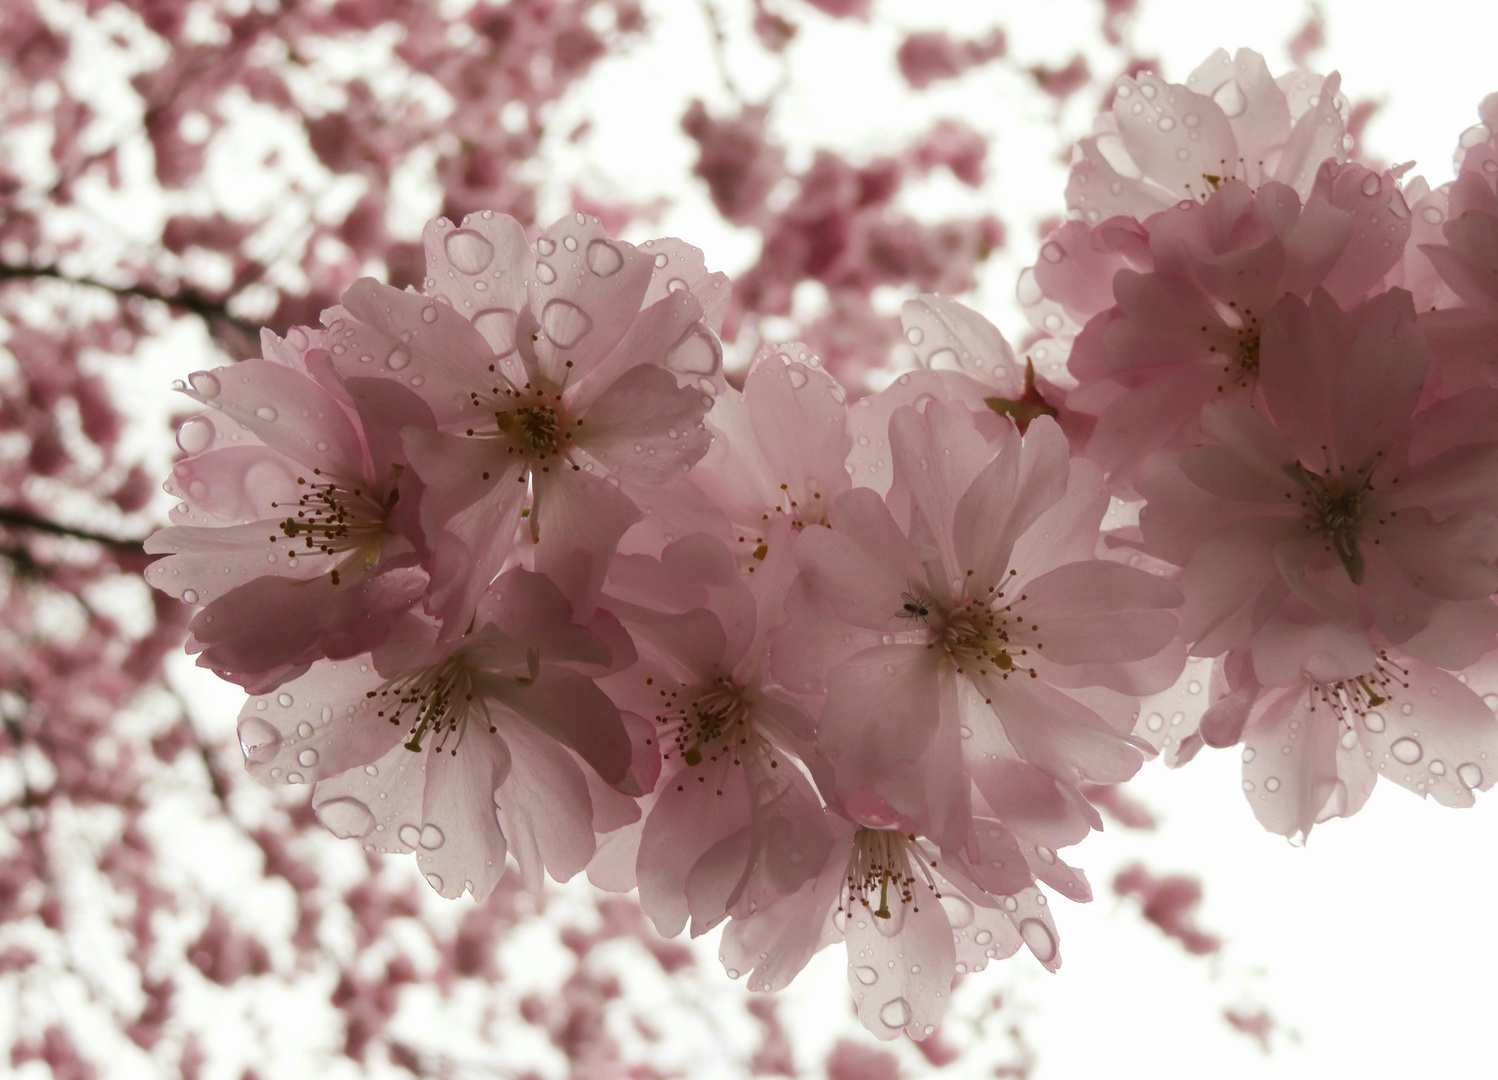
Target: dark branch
x: 213, y: 312
x: 23, y: 519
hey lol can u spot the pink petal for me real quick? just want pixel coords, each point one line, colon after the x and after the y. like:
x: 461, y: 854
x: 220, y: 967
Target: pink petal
x: 912, y: 967
x: 585, y: 290
x: 863, y: 564
x: 1290, y: 772
x: 479, y: 268
x: 461, y: 846
x: 882, y: 711
x: 387, y: 333
x: 645, y: 427
x: 543, y: 808
x: 316, y: 726
x: 1100, y: 612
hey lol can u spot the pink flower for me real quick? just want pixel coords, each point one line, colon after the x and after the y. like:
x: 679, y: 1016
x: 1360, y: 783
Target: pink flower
x: 733, y: 813
x: 1366, y: 514
x: 779, y: 450
x: 462, y: 750
x: 559, y: 376
x: 949, y: 640
x: 1174, y: 307
x: 1163, y: 142
x: 297, y: 528
x: 1314, y: 748
x: 912, y: 915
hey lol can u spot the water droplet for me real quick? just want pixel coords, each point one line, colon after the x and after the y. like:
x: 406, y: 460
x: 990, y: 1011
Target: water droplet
x: 915, y: 335
x: 1046, y: 854
x: 983, y: 937
x: 1406, y: 751
x: 1167, y: 123
x: 1154, y: 721
x: 1370, y: 184
x: 959, y: 911
x: 866, y: 975
x: 189, y: 596
x: 1148, y: 90
x: 732, y: 973
x: 1248, y: 785
x: 1272, y: 784
x: 258, y: 741
x: 267, y: 413
x: 1039, y: 938
x: 429, y: 314
x: 205, y: 384
x: 1438, y: 767
x: 1052, y: 252
x: 1374, y: 722
x: 697, y: 352
x: 604, y: 258
x: 545, y: 274
x: 895, y: 1014
x: 1349, y: 739
x: 564, y: 323
x: 468, y: 251
x: 307, y: 758
x: 345, y: 818
x: 1470, y: 774
x: 432, y: 837
x: 285, y: 700
x: 1191, y: 120
x: 195, y: 435
x: 399, y: 358
x: 797, y: 376
x: 1230, y: 98
x: 1193, y: 687
x: 304, y: 730
x: 434, y: 881
x: 676, y: 284
x: 409, y: 835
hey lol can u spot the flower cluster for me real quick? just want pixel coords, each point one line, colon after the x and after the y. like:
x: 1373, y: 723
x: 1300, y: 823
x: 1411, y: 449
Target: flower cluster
x: 1281, y: 359
x: 509, y: 569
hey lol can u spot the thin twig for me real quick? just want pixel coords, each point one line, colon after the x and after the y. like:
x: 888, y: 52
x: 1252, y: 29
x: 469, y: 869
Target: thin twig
x: 12, y: 518
x: 213, y: 312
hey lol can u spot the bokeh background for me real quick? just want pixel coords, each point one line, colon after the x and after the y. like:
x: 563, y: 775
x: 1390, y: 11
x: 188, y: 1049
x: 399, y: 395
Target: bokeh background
x: 175, y: 175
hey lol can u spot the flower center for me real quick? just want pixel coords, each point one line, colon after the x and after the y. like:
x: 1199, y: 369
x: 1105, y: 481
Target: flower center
x: 436, y: 702
x: 332, y: 517
x: 528, y: 422
x: 706, y: 722
x: 883, y: 867
x: 979, y: 638
x: 1358, y: 696
x: 1334, y: 510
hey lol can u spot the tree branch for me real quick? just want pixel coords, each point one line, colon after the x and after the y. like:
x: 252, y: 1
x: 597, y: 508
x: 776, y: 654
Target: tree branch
x: 213, y: 312
x: 12, y: 518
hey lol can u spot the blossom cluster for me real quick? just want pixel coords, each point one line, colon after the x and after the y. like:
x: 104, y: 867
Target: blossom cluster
x: 510, y: 570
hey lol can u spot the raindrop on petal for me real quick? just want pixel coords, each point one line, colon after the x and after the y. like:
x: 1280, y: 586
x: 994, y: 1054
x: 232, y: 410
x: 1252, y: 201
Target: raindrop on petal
x: 195, y: 435
x: 1039, y: 938
x: 345, y: 818
x: 604, y: 258
x: 468, y: 251
x: 564, y: 323
x: 895, y: 1014
x: 258, y: 741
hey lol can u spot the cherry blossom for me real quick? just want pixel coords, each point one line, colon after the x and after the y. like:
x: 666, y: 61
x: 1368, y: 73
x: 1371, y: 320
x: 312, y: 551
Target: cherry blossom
x: 734, y: 817
x: 292, y: 520
x: 912, y: 915
x: 461, y: 750
x: 1231, y: 120
x: 947, y: 645
x: 555, y: 373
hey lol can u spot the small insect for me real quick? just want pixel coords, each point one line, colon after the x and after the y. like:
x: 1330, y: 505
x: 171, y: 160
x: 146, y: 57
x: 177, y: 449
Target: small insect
x: 914, y: 607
